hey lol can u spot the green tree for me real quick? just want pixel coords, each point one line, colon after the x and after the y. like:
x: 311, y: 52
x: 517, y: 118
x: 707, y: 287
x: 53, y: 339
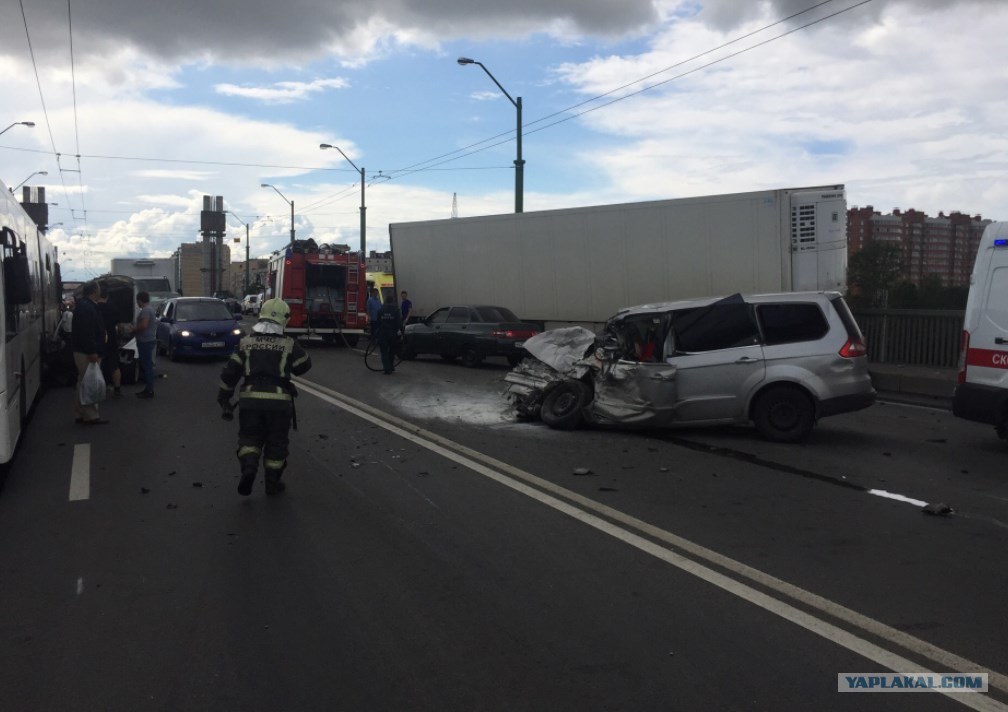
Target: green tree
x: 873, y: 271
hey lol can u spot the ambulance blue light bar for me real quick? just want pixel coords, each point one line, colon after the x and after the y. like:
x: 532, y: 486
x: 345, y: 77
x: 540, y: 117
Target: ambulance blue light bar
x: 1000, y: 243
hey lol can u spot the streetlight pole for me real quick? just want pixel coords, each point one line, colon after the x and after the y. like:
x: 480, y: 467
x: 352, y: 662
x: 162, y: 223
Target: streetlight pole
x: 36, y: 173
x: 17, y: 123
x: 363, y: 207
x: 270, y: 185
x: 247, y: 279
x: 519, y: 163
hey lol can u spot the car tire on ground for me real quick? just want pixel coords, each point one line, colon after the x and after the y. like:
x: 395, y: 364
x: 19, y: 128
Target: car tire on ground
x: 471, y: 358
x: 172, y: 355
x: 563, y: 407
x: 784, y: 414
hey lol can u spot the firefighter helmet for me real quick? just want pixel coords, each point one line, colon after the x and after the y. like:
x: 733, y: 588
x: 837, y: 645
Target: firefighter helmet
x: 275, y: 310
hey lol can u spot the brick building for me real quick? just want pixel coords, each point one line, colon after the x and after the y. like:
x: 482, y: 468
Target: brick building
x: 944, y: 246
x: 194, y: 278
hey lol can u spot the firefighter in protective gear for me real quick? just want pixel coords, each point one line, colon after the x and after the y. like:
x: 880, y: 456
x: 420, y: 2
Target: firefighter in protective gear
x: 266, y: 360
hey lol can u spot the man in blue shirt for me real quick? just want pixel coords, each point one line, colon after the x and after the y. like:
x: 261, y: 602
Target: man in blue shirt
x: 146, y: 342
x: 406, y: 305
x: 373, y: 306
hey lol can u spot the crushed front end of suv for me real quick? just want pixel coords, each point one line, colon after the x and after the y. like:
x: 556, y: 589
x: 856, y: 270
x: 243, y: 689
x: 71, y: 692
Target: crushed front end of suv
x: 779, y: 361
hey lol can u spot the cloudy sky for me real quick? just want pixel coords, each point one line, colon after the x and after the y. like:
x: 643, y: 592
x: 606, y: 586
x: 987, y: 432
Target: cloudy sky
x: 143, y: 107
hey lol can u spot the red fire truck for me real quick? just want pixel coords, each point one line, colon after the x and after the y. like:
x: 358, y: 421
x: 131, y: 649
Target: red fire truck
x: 324, y: 288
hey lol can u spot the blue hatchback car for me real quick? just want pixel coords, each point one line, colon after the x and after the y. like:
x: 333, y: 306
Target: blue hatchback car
x: 197, y: 327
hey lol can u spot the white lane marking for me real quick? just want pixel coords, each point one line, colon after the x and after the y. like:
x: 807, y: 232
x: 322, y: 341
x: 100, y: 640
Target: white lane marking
x: 80, y: 585
x: 471, y: 459
x: 897, y: 497
x: 80, y: 473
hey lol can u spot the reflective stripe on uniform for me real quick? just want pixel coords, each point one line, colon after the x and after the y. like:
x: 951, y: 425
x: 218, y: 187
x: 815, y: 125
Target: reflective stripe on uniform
x: 300, y: 361
x: 263, y: 395
x: 249, y: 450
x: 274, y: 464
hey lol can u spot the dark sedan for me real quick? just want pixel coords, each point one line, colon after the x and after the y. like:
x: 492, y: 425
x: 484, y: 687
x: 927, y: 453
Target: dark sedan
x: 469, y: 332
x: 197, y: 326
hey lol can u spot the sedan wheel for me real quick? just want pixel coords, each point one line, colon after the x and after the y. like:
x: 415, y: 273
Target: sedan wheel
x: 471, y: 358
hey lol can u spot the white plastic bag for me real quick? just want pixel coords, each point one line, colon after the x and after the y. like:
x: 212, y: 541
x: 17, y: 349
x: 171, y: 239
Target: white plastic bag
x: 92, y: 387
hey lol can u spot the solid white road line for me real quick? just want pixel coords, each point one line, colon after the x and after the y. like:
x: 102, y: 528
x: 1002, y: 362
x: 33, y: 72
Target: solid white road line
x: 80, y: 473
x: 494, y: 469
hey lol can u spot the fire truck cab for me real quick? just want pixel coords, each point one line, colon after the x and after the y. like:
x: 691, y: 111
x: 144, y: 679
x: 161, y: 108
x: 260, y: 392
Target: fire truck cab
x: 325, y: 289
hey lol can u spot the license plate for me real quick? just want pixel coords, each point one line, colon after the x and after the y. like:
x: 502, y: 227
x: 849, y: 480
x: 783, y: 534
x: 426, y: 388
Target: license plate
x: 213, y: 344
x: 519, y: 344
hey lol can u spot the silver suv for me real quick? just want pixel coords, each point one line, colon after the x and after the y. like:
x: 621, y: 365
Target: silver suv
x: 781, y: 361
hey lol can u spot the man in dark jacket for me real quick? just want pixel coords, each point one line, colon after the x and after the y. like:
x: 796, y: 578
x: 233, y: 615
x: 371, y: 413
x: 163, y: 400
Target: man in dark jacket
x: 389, y: 325
x: 88, y: 341
x: 266, y: 359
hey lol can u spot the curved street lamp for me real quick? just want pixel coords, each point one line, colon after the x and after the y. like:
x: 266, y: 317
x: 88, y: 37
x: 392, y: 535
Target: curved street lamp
x: 246, y: 250
x: 519, y: 163
x: 363, y: 208
x: 17, y: 123
x: 270, y: 185
x: 36, y: 173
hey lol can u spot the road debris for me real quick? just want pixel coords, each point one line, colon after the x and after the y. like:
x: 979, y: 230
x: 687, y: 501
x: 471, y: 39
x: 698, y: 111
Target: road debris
x: 938, y: 509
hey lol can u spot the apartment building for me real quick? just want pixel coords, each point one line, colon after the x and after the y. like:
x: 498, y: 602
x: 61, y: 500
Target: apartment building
x: 944, y: 246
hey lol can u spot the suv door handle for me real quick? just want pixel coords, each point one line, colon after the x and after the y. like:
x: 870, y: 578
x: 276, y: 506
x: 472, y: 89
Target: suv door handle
x: 1000, y: 340
x: 747, y: 359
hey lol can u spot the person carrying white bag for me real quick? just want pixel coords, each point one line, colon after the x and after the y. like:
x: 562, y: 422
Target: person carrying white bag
x: 88, y: 339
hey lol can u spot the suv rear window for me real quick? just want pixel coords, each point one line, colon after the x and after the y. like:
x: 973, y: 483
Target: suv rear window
x: 789, y: 323
x: 853, y: 331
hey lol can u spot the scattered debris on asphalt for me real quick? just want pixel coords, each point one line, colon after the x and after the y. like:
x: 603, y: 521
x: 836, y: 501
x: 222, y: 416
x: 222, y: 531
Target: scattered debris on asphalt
x: 144, y: 490
x: 938, y: 509
x: 582, y: 471
x: 197, y: 484
x: 171, y: 506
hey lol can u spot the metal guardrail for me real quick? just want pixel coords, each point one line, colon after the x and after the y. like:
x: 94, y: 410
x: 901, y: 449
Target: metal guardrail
x: 913, y: 337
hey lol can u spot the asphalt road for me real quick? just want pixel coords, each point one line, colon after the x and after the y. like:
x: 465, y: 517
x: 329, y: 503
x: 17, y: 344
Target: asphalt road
x: 433, y: 554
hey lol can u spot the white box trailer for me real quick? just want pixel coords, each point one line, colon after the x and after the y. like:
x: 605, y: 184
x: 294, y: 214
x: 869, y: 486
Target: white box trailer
x: 147, y: 268
x: 580, y: 265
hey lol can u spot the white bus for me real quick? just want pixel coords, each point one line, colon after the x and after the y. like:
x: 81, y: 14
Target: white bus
x: 29, y: 310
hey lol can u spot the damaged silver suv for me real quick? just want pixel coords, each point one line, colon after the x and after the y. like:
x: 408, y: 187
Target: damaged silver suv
x: 780, y: 361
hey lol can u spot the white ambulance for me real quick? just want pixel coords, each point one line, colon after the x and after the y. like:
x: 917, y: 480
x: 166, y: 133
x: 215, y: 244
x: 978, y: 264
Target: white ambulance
x: 981, y: 393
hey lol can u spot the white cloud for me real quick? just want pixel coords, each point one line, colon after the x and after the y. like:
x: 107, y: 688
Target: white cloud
x: 281, y: 92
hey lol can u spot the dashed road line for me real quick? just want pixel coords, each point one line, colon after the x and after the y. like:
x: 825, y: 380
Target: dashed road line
x: 80, y: 473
